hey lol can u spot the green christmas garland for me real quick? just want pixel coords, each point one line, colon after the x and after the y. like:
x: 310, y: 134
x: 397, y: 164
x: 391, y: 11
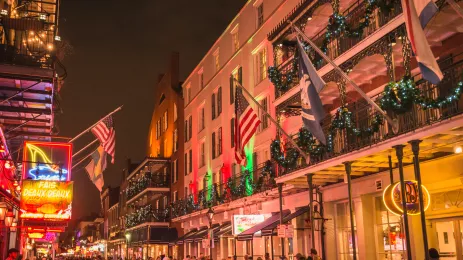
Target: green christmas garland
x: 400, y: 97
x: 283, y: 81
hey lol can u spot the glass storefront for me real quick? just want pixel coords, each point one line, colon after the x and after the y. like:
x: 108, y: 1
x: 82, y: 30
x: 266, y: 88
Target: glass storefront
x: 389, y: 230
x: 343, y: 232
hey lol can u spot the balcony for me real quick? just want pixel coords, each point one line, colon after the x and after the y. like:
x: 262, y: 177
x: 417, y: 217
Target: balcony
x: 370, y: 133
x: 237, y: 187
x: 338, y: 44
x: 157, y: 182
x: 145, y: 215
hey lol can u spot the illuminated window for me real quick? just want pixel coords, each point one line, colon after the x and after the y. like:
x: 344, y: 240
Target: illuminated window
x: 216, y: 60
x: 202, y: 156
x: 165, y: 121
x: 174, y: 171
x: 260, y: 15
x: 201, y: 117
x: 201, y: 79
x: 343, y: 231
x: 261, y: 65
x: 235, y: 39
x: 389, y: 226
x: 175, y: 112
x: 175, y: 140
x: 174, y: 196
x: 238, y: 75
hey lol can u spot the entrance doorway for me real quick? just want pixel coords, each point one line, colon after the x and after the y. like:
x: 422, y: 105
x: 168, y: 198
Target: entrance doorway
x: 449, y: 238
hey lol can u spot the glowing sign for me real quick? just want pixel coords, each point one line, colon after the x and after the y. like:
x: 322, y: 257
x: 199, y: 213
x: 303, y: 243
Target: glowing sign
x: 36, y: 235
x: 47, y: 161
x: 46, y: 200
x: 392, y: 198
x: 245, y: 222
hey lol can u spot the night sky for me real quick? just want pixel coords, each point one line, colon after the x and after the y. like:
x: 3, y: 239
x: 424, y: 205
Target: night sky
x: 119, y: 48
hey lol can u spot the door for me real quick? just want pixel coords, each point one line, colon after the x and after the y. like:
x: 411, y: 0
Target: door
x: 449, y: 238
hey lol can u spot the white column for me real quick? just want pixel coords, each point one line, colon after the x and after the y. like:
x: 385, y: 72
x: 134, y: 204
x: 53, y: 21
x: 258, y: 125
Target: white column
x: 365, y: 226
x: 330, y: 231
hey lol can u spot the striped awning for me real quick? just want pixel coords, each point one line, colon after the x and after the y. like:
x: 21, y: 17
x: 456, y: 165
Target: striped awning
x: 249, y: 234
x: 268, y: 231
x: 201, y: 235
x: 191, y: 238
x: 182, y: 238
x: 225, y: 229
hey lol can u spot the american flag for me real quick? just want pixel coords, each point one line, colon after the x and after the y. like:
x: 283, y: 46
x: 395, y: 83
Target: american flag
x: 106, y: 133
x: 246, y: 123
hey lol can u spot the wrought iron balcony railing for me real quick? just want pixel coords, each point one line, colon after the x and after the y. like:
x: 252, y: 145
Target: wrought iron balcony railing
x: 237, y: 187
x: 362, y: 114
x: 146, y: 214
x: 341, y: 43
x: 148, y: 180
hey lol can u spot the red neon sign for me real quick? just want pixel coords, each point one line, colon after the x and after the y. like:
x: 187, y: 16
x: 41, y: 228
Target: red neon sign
x: 47, y: 161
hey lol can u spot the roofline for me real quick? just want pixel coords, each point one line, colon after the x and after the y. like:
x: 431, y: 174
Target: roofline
x: 215, y: 43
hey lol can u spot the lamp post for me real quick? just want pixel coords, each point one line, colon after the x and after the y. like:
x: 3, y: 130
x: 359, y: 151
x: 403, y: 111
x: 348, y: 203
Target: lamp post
x: 210, y: 215
x: 127, y: 239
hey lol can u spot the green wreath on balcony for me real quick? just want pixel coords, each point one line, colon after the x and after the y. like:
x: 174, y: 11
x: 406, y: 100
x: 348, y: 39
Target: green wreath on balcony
x: 343, y: 120
x: 283, y: 81
x: 400, y: 96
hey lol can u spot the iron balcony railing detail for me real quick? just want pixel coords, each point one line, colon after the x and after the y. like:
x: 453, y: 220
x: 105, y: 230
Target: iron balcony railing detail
x: 148, y: 180
x: 245, y: 184
x: 363, y: 114
x: 340, y: 44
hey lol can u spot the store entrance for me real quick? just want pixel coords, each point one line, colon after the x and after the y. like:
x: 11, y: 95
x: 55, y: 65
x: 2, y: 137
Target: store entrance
x: 449, y: 238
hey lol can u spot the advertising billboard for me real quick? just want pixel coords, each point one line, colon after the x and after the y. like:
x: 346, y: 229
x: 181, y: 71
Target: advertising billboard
x: 47, y: 200
x: 245, y: 222
x: 47, y: 161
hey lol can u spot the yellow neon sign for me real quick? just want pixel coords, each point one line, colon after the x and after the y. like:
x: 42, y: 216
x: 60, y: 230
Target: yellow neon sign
x: 392, y: 198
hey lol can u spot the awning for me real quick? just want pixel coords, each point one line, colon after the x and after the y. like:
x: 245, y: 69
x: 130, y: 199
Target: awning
x: 248, y: 234
x: 200, y: 235
x: 268, y: 231
x: 224, y: 230
x: 191, y: 238
x: 182, y: 238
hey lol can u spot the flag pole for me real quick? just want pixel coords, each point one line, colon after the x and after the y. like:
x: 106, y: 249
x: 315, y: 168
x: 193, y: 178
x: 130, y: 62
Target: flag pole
x: 455, y: 7
x: 394, y: 123
x: 83, y: 159
x: 83, y: 149
x: 304, y: 154
x: 90, y: 128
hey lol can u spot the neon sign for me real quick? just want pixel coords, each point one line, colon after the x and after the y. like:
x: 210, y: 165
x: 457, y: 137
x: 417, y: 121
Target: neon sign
x: 392, y: 198
x: 47, y: 161
x: 36, y: 235
x: 46, y: 200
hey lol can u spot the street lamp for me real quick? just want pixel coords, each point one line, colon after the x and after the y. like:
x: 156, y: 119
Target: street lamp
x: 210, y: 215
x: 127, y: 237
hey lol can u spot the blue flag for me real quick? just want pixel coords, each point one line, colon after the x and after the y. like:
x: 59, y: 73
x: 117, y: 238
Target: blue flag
x: 311, y: 83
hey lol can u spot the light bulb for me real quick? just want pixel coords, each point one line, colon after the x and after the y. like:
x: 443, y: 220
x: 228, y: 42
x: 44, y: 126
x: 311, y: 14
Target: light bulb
x: 458, y: 149
x: 8, y: 165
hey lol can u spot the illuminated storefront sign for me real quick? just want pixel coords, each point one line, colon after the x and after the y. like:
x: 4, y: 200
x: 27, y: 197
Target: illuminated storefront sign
x: 36, y: 235
x: 245, y: 222
x: 392, y: 198
x: 47, y: 161
x: 46, y: 199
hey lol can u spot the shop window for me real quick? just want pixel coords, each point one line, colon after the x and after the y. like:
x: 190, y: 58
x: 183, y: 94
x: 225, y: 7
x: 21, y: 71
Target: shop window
x: 343, y: 232
x: 391, y: 239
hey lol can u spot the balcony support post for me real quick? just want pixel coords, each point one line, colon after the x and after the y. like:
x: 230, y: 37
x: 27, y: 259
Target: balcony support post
x: 348, y: 167
x: 389, y: 60
x: 416, y: 162
x: 280, y: 196
x: 311, y: 215
x: 400, y: 154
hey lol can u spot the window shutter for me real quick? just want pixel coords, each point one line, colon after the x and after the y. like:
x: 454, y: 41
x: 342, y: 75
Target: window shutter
x: 186, y: 164
x: 232, y: 132
x: 213, y: 105
x: 219, y: 101
x: 240, y: 75
x: 176, y: 170
x: 232, y: 90
x: 190, y: 128
x: 219, y: 148
x: 191, y: 161
x: 173, y: 173
x: 186, y: 131
x: 213, y: 145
